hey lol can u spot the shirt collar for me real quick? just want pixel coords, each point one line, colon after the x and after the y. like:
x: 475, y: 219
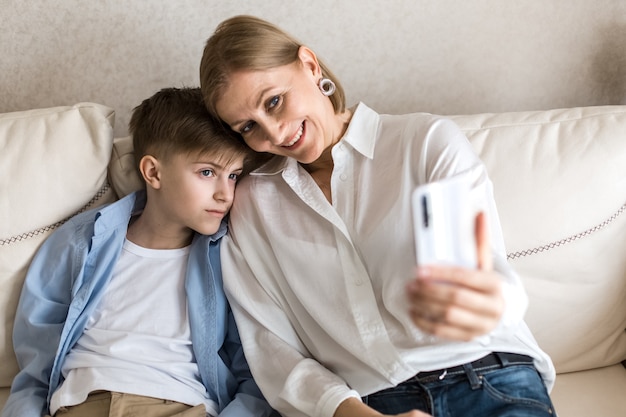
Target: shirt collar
x: 274, y: 166
x: 362, y: 130
x: 220, y: 232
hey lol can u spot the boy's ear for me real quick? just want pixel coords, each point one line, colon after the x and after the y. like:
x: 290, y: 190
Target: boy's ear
x: 309, y: 61
x: 149, y: 168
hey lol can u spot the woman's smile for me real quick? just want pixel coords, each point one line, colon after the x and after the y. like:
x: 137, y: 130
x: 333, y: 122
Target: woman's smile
x: 296, y: 137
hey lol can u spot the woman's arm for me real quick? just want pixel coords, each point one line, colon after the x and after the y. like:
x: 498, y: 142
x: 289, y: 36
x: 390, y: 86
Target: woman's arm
x: 292, y: 381
x: 248, y: 400
x: 480, y: 300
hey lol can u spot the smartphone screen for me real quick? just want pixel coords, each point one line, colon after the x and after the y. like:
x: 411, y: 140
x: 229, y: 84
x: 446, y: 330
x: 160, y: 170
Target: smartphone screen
x: 443, y: 219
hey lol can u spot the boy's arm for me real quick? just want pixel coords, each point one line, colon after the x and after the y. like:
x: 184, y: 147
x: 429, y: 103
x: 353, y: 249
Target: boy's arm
x: 40, y: 316
x: 248, y: 400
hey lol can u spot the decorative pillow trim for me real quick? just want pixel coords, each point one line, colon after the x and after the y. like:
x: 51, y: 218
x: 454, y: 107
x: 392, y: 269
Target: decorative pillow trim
x: 24, y: 236
x: 570, y: 239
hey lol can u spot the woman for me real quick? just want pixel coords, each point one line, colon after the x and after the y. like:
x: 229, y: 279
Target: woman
x: 320, y: 268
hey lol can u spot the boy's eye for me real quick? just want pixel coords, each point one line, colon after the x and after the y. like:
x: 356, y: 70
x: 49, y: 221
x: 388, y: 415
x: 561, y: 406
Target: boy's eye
x: 207, y: 173
x: 234, y: 177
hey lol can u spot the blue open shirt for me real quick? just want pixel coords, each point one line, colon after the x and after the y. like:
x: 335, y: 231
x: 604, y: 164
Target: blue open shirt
x: 67, y: 278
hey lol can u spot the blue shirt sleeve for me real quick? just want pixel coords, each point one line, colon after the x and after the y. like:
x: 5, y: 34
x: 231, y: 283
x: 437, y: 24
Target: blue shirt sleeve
x: 40, y: 317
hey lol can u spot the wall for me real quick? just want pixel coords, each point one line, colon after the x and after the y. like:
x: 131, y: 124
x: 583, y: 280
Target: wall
x: 440, y: 56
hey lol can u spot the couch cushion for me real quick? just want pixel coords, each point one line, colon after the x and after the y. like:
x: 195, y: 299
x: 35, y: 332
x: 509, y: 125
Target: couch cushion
x: 53, y: 165
x: 123, y: 174
x: 597, y: 392
x: 560, y: 185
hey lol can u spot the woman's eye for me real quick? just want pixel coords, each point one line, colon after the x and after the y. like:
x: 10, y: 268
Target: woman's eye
x: 246, y: 128
x: 207, y: 173
x: 273, y: 102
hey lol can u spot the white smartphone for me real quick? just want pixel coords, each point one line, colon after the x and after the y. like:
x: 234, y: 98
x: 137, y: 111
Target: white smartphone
x: 444, y: 222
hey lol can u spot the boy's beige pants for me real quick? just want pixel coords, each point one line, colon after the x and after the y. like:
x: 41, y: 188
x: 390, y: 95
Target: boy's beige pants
x: 116, y: 404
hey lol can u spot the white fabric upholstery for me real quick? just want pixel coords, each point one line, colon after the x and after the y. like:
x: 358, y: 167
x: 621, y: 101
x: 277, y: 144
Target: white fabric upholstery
x: 597, y: 392
x: 123, y: 172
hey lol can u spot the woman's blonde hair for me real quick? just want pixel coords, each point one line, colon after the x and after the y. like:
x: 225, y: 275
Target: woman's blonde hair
x: 249, y: 43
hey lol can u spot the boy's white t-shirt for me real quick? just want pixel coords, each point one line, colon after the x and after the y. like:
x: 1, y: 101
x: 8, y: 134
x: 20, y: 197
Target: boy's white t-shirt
x: 138, y: 340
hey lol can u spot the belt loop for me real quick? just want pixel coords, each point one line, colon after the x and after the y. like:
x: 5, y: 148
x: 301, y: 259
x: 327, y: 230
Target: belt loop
x: 504, y: 361
x: 474, y: 380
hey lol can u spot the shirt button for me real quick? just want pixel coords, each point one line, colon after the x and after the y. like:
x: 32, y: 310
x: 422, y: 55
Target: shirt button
x: 343, y: 177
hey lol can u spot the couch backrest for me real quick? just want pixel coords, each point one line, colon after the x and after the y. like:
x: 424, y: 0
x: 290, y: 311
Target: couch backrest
x: 560, y: 186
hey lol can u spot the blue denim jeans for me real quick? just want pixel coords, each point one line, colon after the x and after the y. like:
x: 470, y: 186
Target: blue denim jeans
x: 516, y: 390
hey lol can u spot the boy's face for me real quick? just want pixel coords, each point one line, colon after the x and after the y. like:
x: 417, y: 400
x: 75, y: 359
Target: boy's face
x: 196, y: 191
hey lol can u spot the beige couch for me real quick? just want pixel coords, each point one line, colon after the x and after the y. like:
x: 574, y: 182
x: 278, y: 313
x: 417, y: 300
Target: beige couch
x: 560, y: 184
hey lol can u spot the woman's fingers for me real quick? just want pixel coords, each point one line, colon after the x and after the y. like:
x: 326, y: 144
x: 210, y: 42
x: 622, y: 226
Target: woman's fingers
x: 483, y: 243
x: 455, y: 303
x: 459, y: 303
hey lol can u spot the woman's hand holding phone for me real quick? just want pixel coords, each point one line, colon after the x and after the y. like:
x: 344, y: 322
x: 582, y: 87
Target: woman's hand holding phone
x: 455, y: 293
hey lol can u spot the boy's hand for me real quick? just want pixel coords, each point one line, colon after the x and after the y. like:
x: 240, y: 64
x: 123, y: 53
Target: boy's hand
x: 458, y: 303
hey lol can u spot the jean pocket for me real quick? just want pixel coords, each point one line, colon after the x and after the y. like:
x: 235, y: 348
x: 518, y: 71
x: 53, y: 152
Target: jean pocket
x: 518, y: 385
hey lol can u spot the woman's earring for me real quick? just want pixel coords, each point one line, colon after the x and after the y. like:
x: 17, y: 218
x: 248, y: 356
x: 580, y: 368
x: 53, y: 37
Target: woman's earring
x: 327, y: 86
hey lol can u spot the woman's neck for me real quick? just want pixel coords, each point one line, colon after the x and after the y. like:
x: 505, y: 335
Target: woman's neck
x: 322, y: 168
x: 322, y: 176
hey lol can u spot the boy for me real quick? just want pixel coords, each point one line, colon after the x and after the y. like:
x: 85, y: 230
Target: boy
x: 122, y: 311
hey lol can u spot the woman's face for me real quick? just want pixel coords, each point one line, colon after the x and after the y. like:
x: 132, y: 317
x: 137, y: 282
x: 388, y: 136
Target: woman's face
x: 281, y: 110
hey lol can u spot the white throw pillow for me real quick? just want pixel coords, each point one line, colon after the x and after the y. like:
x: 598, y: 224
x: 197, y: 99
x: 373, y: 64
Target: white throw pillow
x: 123, y: 173
x: 53, y: 164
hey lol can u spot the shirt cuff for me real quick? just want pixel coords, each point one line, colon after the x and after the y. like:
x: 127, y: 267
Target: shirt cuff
x: 332, y: 398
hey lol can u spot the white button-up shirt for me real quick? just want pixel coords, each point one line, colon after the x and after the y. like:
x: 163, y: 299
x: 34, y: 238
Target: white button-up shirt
x: 318, y: 289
